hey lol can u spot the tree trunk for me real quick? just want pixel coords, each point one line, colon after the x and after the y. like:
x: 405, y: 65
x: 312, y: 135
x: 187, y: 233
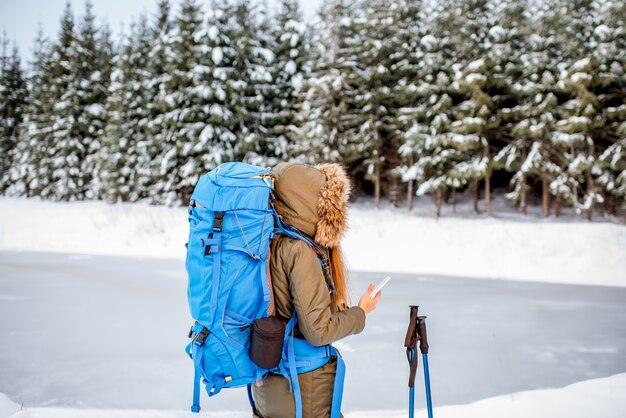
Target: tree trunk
x: 612, y: 204
x: 454, y: 200
x: 546, y: 198
x: 589, y: 190
x: 522, y: 201
x: 488, y: 194
x: 409, y: 195
x: 186, y: 193
x: 438, y: 199
x: 377, y: 186
x: 590, y: 183
x: 393, y: 191
x: 476, y: 194
x: 557, y: 207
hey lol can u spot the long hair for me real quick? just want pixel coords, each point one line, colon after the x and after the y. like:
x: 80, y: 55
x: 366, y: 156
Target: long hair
x: 340, y: 277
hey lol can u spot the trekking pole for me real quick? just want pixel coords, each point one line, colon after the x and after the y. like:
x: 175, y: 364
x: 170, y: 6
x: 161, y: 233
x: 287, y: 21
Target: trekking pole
x: 410, y: 342
x: 421, y: 331
x: 417, y: 332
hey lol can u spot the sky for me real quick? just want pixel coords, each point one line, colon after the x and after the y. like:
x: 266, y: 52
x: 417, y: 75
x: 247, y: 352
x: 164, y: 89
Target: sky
x: 20, y: 19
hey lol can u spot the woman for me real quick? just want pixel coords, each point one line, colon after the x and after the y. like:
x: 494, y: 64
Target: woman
x: 314, y: 200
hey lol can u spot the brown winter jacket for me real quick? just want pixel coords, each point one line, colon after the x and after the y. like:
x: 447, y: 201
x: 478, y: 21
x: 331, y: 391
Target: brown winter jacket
x: 314, y: 201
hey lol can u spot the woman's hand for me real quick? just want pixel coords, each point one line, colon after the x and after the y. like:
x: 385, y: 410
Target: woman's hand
x: 367, y: 303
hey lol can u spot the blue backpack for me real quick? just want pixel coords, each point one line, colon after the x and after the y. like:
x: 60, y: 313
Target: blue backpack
x: 231, y: 223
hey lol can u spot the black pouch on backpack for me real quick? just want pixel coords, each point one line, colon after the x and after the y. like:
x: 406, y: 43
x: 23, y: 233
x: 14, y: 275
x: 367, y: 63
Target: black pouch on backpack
x: 266, y: 342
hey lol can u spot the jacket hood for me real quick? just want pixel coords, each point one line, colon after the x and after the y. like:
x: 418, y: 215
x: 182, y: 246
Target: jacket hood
x: 313, y: 199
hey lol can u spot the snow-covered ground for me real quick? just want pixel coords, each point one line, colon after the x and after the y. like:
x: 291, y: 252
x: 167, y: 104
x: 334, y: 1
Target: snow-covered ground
x: 599, y: 398
x: 571, y: 251
x: 568, y: 251
x: 92, y: 331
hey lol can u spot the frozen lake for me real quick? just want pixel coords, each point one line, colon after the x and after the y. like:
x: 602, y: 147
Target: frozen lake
x: 109, y: 332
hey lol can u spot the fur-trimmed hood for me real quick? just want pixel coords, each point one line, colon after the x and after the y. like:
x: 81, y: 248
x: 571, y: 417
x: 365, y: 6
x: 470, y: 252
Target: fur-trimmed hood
x: 314, y: 200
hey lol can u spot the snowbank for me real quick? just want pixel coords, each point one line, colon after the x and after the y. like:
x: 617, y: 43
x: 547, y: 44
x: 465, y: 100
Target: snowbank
x: 386, y: 240
x: 7, y: 406
x: 573, y: 252
x: 598, y: 397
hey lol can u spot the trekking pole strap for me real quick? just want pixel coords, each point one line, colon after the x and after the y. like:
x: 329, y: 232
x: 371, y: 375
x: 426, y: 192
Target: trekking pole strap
x: 421, y: 330
x: 410, y: 342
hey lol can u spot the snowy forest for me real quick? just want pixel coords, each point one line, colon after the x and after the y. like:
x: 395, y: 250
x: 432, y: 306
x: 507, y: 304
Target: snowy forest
x: 440, y: 98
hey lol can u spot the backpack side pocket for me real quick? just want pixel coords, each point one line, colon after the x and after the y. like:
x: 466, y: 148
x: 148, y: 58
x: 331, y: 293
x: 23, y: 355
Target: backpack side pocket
x: 266, y: 342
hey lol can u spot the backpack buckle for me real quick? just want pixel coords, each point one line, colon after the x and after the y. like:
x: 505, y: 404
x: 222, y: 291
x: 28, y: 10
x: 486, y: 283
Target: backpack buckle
x: 325, y: 263
x: 201, y: 337
x: 218, y: 220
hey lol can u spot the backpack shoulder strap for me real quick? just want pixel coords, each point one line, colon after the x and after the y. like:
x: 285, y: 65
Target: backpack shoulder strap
x: 291, y: 373
x: 293, y: 232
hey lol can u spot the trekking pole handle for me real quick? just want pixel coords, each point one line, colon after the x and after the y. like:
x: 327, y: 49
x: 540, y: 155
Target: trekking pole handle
x: 421, y: 330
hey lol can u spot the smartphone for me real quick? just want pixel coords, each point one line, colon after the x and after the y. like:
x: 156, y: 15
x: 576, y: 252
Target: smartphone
x: 379, y: 287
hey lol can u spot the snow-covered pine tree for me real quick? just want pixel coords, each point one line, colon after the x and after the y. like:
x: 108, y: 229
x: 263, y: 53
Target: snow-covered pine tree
x: 79, y: 91
x: 470, y: 129
x: 321, y: 119
x: 426, y: 114
x: 608, y: 43
x: 31, y: 172
x: 321, y: 103
x: 13, y: 94
x: 92, y: 70
x: 577, y: 116
x: 610, y: 165
x: 251, y: 88
x: 124, y: 152
x: 572, y: 137
x: 473, y: 124
x: 259, y: 145
x: 324, y: 115
x: 150, y: 179
x: 66, y: 150
x: 289, y: 72
x: 215, y: 142
x: 184, y: 116
x: 111, y: 173
x: 409, y: 63
x: 507, y: 33
x: 143, y: 94
x: 373, y: 105
x: 531, y: 154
